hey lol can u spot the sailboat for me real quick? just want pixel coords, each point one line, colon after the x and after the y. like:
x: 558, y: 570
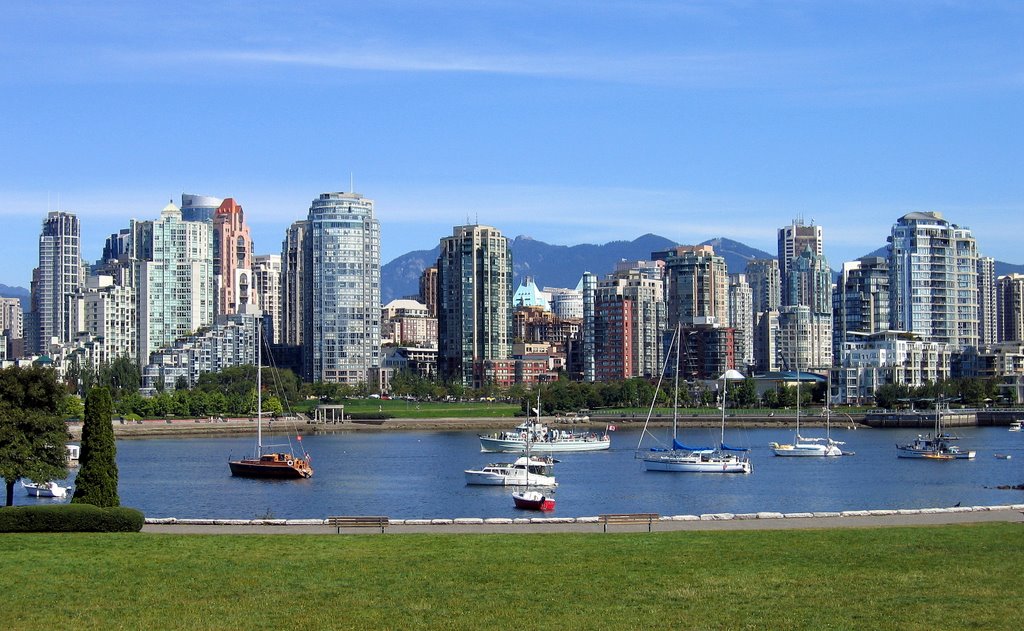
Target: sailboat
x: 272, y: 464
x: 723, y: 459
x: 527, y: 499
x: 809, y: 447
x: 934, y: 447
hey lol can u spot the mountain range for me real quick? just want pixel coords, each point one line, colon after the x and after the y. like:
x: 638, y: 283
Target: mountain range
x: 554, y: 265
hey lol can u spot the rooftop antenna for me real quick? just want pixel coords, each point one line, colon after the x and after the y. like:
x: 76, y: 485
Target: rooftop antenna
x: 351, y: 182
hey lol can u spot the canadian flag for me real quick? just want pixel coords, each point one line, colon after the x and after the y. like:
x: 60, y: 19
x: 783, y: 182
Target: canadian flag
x: 611, y: 428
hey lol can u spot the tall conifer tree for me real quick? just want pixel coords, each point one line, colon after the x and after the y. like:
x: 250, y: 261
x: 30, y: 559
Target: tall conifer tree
x: 97, y: 478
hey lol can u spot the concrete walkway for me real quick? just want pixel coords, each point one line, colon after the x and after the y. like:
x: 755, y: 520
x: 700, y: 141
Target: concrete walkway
x: 534, y: 525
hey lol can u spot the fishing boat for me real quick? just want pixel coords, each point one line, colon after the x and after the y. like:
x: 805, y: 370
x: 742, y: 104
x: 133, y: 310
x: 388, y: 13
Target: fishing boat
x: 44, y: 489
x: 532, y: 471
x: 936, y: 446
x: 683, y: 459
x: 533, y: 500
x: 269, y: 463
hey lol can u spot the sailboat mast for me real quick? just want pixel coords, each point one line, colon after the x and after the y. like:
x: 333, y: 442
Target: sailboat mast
x: 259, y: 388
x: 675, y: 398
x: 725, y: 389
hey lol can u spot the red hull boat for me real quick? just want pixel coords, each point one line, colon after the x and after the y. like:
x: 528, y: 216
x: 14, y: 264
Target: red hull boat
x: 532, y: 500
x: 278, y: 465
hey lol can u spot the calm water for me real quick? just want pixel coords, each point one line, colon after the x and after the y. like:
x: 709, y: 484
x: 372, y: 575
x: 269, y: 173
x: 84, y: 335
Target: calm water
x: 420, y: 474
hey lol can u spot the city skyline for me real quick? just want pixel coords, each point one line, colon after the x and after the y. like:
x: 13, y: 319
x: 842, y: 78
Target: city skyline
x: 567, y: 122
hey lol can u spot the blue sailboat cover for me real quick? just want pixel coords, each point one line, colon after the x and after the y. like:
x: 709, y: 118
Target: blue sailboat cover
x: 681, y: 447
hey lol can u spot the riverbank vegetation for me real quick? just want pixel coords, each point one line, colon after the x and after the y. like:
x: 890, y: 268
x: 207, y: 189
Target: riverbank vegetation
x: 951, y: 577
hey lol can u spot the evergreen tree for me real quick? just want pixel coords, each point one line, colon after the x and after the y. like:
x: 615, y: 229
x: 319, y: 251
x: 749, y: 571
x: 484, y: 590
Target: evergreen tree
x: 97, y: 478
x: 32, y: 433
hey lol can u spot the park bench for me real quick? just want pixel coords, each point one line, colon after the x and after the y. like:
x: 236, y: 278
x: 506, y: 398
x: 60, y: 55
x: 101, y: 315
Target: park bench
x: 359, y: 521
x: 628, y: 518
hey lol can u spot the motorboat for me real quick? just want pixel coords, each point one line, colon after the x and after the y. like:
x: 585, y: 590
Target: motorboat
x: 532, y: 471
x: 1015, y: 426
x: 44, y: 489
x: 533, y: 500
x: 543, y: 439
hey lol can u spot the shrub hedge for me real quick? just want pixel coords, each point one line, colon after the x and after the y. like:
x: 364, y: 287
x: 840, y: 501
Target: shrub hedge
x: 370, y: 416
x: 70, y: 518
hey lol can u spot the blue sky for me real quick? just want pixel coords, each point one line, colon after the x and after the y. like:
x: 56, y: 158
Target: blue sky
x: 568, y: 121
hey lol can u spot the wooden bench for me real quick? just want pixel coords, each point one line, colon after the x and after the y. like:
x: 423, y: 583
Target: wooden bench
x: 359, y: 521
x: 629, y: 518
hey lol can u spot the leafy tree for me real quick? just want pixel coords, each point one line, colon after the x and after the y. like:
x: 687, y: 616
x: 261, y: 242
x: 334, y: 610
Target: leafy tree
x: 33, y: 436
x: 97, y: 477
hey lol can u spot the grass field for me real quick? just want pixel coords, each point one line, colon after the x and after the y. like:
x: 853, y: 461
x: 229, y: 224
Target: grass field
x: 955, y: 577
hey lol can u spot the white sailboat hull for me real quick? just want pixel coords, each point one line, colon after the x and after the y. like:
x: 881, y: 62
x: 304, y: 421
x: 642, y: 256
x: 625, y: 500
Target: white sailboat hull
x: 486, y: 478
x: 697, y: 463
x: 806, y: 450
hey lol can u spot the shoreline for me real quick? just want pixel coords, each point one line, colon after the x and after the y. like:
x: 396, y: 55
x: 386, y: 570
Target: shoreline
x: 535, y: 525
x: 165, y: 428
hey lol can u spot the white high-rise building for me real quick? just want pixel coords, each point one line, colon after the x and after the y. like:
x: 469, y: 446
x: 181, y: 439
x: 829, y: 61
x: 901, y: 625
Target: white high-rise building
x: 175, y: 279
x: 59, y: 276
x: 266, y: 274
x: 341, y: 299
x: 741, y: 316
x: 933, y: 267
x: 105, y: 316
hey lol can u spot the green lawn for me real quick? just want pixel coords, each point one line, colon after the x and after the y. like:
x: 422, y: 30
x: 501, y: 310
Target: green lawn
x: 954, y: 577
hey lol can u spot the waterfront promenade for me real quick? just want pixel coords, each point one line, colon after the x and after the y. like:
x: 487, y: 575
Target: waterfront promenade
x: 535, y: 525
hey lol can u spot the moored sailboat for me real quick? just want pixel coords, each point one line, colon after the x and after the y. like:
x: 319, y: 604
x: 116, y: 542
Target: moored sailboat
x: 803, y: 446
x: 683, y: 459
x: 272, y: 464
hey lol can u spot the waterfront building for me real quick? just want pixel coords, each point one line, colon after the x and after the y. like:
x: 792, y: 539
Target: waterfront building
x: 988, y: 327
x: 860, y: 299
x: 266, y: 276
x: 741, y: 315
x: 105, y: 317
x: 588, y: 345
x: 174, y: 263
x: 934, y: 279
x: 341, y: 295
x: 12, y: 327
x: 1002, y: 362
x: 232, y: 259
x: 888, y: 357
x: 405, y: 322
x: 696, y: 285
x: 230, y: 341
x: 766, y: 333
x: 804, y: 340
x: 643, y: 320
x: 793, y: 240
x: 199, y: 207
x: 293, y: 279
x: 59, y: 276
x: 1010, y: 307
x: 765, y: 279
x: 708, y: 349
x: 474, y: 291
x: 428, y: 290
x: 535, y: 325
x: 417, y: 360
